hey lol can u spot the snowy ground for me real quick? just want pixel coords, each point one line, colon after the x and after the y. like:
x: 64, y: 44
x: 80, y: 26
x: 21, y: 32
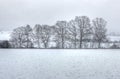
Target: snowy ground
x: 59, y: 64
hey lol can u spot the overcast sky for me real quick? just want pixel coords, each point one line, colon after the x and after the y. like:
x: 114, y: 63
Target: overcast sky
x: 14, y: 13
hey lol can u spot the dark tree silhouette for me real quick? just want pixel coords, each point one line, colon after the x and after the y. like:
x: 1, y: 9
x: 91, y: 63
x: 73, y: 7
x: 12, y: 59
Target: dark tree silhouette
x: 5, y: 44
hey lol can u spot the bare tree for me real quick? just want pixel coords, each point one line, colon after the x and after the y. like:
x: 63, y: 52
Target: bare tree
x: 73, y: 33
x: 28, y: 32
x: 83, y: 22
x: 60, y: 33
x: 45, y: 35
x: 20, y: 37
x: 99, y: 30
x: 37, y: 31
x: 17, y: 37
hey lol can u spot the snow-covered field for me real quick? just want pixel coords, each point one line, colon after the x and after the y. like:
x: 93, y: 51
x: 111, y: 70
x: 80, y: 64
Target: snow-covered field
x: 59, y: 64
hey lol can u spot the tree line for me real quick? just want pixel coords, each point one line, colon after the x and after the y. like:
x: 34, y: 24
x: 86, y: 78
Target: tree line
x: 80, y: 32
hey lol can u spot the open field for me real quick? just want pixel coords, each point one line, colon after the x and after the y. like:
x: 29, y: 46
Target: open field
x: 59, y: 64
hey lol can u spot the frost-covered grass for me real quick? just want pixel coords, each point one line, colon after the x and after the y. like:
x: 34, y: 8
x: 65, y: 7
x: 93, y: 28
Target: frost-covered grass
x: 59, y: 64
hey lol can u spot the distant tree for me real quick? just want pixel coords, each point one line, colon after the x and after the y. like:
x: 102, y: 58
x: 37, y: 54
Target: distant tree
x: 28, y: 32
x: 73, y: 33
x: 60, y: 33
x: 42, y: 35
x: 17, y: 37
x: 100, y: 31
x: 20, y: 37
x: 37, y: 32
x: 85, y: 29
x: 45, y: 35
x: 5, y: 44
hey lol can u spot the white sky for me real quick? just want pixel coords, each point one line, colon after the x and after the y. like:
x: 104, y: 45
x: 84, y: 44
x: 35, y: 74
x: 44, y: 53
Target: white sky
x: 14, y: 13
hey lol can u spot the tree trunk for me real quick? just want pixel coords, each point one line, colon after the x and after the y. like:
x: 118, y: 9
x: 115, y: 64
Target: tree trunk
x: 80, y: 40
x: 38, y: 43
x: 99, y: 45
x: 62, y: 38
x: 27, y: 41
x: 75, y: 42
x: 45, y: 44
